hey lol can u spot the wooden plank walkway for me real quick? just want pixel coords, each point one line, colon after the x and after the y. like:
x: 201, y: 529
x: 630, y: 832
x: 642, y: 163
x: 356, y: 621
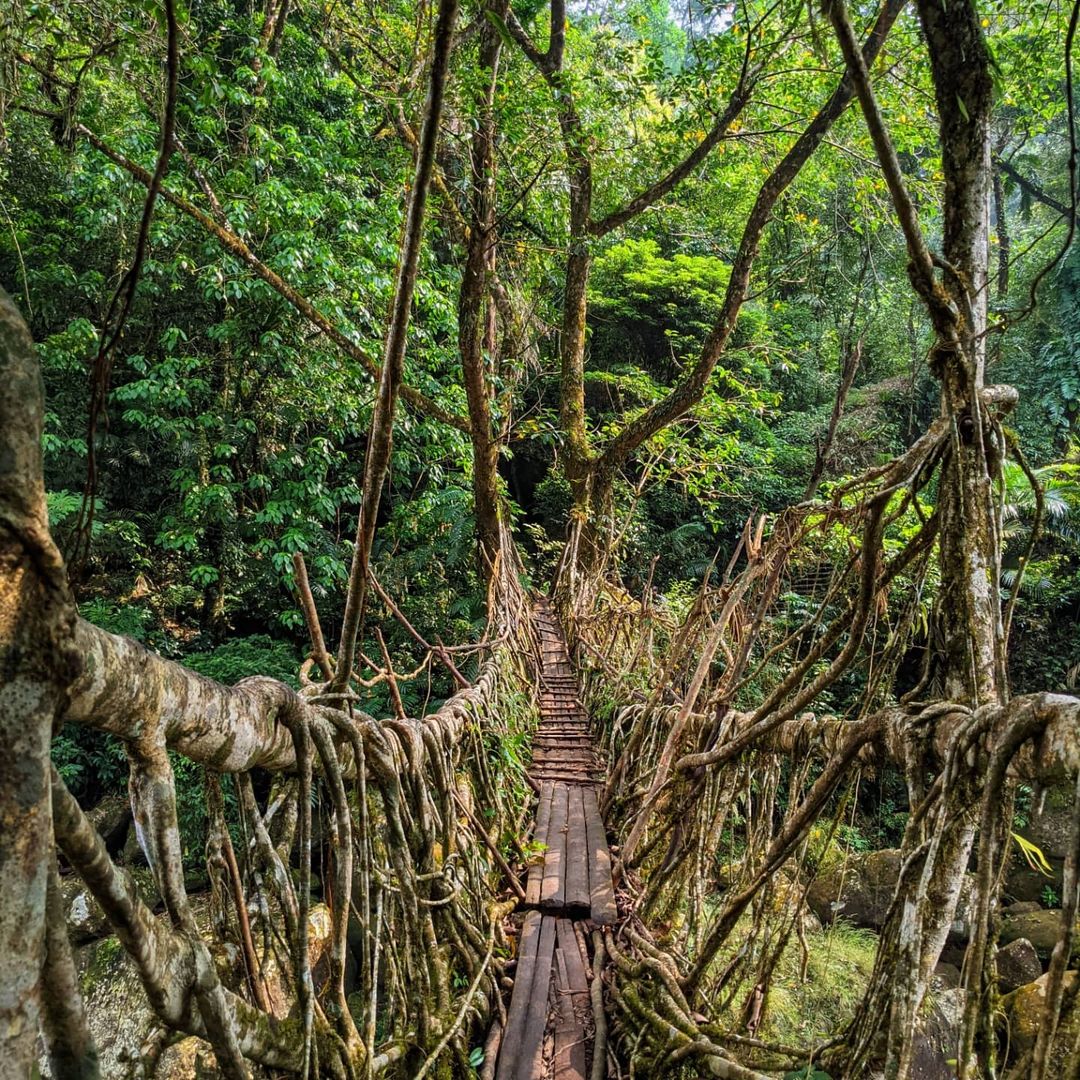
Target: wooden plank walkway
x: 568, y: 891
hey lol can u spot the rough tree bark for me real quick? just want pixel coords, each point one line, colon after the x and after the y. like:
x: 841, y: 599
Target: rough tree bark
x: 37, y: 657
x: 971, y: 667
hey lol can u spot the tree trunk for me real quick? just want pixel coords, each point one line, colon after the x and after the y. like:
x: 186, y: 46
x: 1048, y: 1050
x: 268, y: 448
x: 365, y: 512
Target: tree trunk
x: 969, y: 610
x: 36, y: 660
x: 475, y: 311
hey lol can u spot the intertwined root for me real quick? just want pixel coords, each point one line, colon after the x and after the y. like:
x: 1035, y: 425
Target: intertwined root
x: 720, y: 776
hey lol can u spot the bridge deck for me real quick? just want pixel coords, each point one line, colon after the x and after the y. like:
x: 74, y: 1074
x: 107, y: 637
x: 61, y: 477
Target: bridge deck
x: 568, y: 891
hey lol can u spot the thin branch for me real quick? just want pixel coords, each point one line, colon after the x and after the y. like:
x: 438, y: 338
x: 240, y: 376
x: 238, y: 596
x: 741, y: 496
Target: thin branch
x: 377, y: 459
x: 232, y: 243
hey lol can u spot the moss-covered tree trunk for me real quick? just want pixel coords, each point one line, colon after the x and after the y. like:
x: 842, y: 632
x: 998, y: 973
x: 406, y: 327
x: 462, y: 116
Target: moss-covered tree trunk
x: 476, y: 337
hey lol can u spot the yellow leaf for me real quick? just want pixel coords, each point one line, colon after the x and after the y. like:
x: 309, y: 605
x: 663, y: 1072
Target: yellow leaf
x: 1033, y: 856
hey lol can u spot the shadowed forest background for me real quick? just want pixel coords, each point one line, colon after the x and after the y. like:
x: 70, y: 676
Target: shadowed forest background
x: 637, y: 323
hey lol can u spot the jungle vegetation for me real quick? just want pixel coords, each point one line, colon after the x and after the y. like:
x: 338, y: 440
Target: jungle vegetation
x: 750, y: 330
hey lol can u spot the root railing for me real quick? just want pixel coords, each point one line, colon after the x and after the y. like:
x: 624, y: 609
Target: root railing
x: 725, y: 788
x: 406, y: 815
x: 407, y: 866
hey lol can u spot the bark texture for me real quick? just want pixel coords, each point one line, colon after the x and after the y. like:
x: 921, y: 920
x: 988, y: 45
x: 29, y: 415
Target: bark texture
x: 36, y: 659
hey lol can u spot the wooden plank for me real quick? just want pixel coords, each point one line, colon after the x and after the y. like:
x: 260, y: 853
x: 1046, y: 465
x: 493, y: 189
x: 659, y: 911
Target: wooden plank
x: 564, y: 1001
x: 536, y: 871
x: 569, y: 1062
x: 569, y: 1054
x: 577, y: 854
x: 552, y: 889
x: 601, y: 889
x: 532, y: 1039
x: 516, y: 1017
x: 577, y: 977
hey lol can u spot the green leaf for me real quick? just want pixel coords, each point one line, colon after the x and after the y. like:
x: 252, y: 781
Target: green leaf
x: 504, y: 31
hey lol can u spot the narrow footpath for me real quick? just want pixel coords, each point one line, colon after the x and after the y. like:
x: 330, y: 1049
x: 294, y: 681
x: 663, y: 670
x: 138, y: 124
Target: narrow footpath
x: 550, y: 1026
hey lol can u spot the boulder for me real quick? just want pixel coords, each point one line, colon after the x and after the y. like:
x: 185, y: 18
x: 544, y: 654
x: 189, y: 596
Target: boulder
x: 1017, y: 964
x: 1050, y: 829
x: 117, y: 1012
x: 1023, y: 1011
x: 86, y: 921
x: 861, y: 890
x: 189, y: 1059
x: 937, y: 1036
x: 1021, y: 907
x: 945, y: 977
x: 1026, y: 885
x: 112, y: 819
x: 1041, y: 928
x: 276, y: 967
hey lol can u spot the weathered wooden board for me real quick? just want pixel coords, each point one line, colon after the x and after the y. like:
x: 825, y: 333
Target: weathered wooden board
x: 521, y: 999
x: 552, y: 889
x: 577, y: 855
x: 532, y: 1039
x: 536, y: 871
x: 601, y: 889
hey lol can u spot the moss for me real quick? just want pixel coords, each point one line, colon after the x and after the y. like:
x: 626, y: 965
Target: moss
x: 800, y: 1012
x: 106, y: 956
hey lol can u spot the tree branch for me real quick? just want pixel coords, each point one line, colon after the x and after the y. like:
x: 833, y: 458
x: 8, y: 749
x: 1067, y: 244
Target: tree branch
x: 232, y: 243
x: 377, y: 458
x: 690, y: 389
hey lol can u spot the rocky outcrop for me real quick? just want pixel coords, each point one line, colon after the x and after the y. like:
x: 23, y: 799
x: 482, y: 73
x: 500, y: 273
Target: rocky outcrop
x: 1023, y: 1010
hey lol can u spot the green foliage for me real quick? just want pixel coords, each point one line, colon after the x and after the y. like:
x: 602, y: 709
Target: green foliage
x: 1049, y: 896
x: 651, y: 312
x: 118, y: 617
x: 241, y: 657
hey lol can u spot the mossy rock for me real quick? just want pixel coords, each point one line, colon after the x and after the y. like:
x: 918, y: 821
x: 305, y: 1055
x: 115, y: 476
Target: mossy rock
x: 1041, y: 928
x: 189, y: 1059
x: 860, y: 889
x: 117, y: 1011
x: 85, y: 919
x: 1023, y: 1011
